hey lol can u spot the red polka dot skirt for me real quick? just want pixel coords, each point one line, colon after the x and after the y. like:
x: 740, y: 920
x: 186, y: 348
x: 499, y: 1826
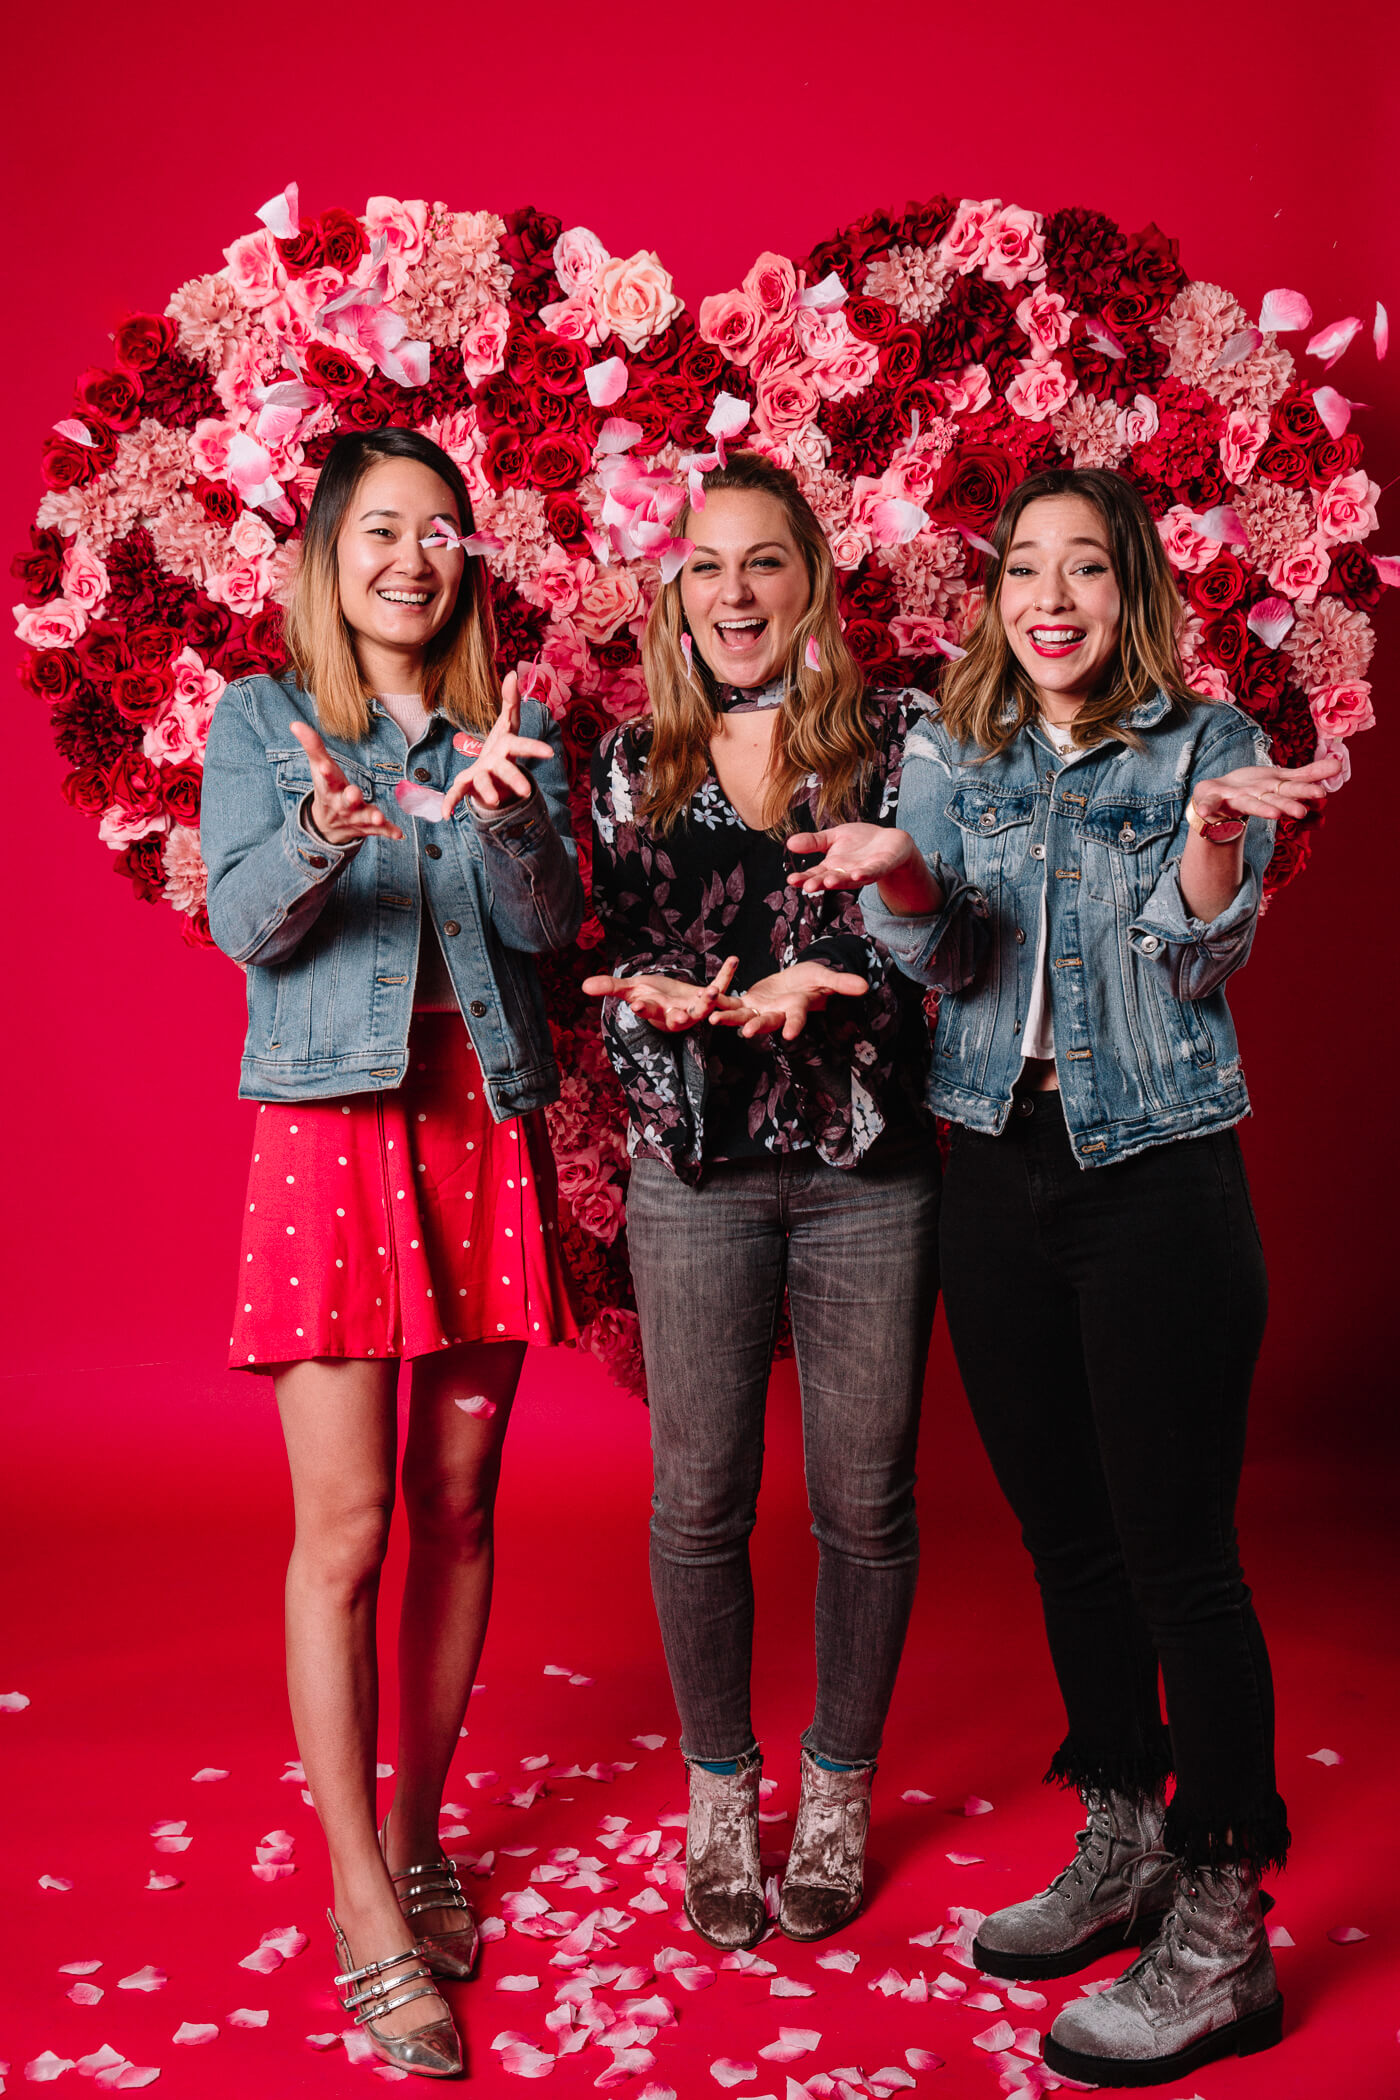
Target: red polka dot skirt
x: 399, y: 1224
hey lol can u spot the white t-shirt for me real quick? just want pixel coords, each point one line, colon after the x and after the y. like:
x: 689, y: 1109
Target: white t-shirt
x: 1038, y: 1035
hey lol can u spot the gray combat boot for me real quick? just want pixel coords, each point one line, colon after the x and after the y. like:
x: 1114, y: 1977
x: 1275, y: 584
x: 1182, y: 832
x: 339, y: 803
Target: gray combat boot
x: 1114, y: 1893
x: 723, y: 1880
x: 1206, y: 1989
x: 824, y: 1881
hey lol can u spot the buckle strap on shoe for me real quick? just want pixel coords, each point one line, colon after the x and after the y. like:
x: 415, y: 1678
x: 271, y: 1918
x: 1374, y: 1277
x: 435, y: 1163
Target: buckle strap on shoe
x: 433, y: 1886
x: 380, y: 1996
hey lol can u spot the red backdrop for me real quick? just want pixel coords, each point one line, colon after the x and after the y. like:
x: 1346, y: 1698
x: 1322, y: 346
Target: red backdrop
x: 143, y: 139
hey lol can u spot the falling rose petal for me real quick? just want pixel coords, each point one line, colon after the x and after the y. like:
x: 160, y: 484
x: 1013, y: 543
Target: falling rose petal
x: 974, y: 1805
x: 157, y: 1884
x: 78, y: 1968
x: 726, y: 2071
x: 728, y: 417
x: 923, y: 2060
x: 1103, y: 338
x: 619, y: 434
x: 1387, y: 567
x: 843, y: 1958
x: 1380, y: 330
x: 173, y: 1844
x: 1330, y: 343
x: 964, y: 1859
x: 789, y: 1987
x: 823, y: 298
x: 1223, y: 523
x: 13, y: 1702
x: 86, y: 1994
x: 1346, y: 1935
x: 674, y: 557
x: 652, y: 1742
x: 41, y: 2069
x: 1325, y: 1757
x: 1001, y: 2036
x: 916, y: 1797
x: 1034, y: 2001
x: 895, y: 522
x: 60, y: 1882
x: 168, y: 1830
x: 477, y: 1404
x: 1271, y: 620
x: 1283, y: 312
x: 1333, y: 410
x: 323, y: 2041
x: 1241, y: 345
x: 606, y: 382
x: 191, y: 2034
x: 246, y: 2016
x: 148, y: 1979
x: 812, y: 655
x: 76, y: 433
x: 207, y: 1774
x: 974, y: 539
x: 1280, y: 1936
x: 280, y: 213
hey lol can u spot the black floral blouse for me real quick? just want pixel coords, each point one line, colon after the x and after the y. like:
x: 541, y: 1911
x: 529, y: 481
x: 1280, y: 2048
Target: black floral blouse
x: 711, y: 888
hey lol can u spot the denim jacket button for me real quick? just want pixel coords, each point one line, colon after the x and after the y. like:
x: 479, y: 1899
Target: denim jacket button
x: 1037, y: 853
x: 1150, y: 944
x: 1021, y: 934
x: 477, y: 1009
x: 450, y: 927
x: 433, y: 852
x: 316, y: 860
x: 421, y: 773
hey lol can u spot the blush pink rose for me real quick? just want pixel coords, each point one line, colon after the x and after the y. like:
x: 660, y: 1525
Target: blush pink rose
x: 772, y: 286
x: 1189, y: 550
x: 574, y: 320
x: 624, y: 693
x: 123, y: 826
x: 914, y: 475
x: 1015, y: 247
x: 609, y: 599
x: 964, y: 246
x: 239, y: 378
x: 1137, y: 424
x: 541, y: 681
x: 1346, y: 508
x: 600, y: 1212
x: 733, y: 322
x: 1242, y: 441
x: 85, y: 579
x: 243, y: 588
x: 255, y: 269
x: 1300, y: 571
x: 252, y: 536
x: 209, y: 443
x: 848, y: 372
x: 1040, y: 389
x: 1045, y: 318
x: 560, y: 579
x: 916, y: 634
x: 402, y: 227
x: 580, y: 1172
x: 969, y: 392
x: 196, y: 686
x: 1208, y: 682
x: 56, y: 625
x: 176, y: 734
x: 578, y: 257
x: 634, y: 297
x: 484, y: 343
x: 849, y: 546
x: 787, y: 403
x: 821, y: 336
x: 564, y: 648
x: 1343, y: 710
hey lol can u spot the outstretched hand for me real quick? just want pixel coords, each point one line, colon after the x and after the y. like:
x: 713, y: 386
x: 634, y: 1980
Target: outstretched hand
x: 669, y: 1003
x: 1264, y: 791
x: 338, y: 809
x: 784, y: 1000
x: 494, y: 778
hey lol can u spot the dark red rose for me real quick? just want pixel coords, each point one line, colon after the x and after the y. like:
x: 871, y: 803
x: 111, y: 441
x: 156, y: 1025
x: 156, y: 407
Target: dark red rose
x: 50, y: 672
x: 133, y: 784
x: 926, y: 396
x: 586, y: 723
x: 1084, y: 253
x: 567, y: 521
x: 528, y: 242
x: 194, y: 929
x: 901, y: 357
x: 923, y: 224
x: 66, y: 465
x: 1216, y: 588
x: 662, y: 351
x: 872, y: 319
x: 1289, y: 464
x: 559, y: 366
x: 207, y: 626
x: 40, y: 572
x: 702, y: 363
x: 1292, y: 847
x: 182, y: 785
x: 237, y: 660
x: 980, y: 479
x: 559, y: 459
x: 143, y: 340
x: 140, y: 695
x: 518, y: 359
x: 643, y: 407
x: 1295, y: 420
x: 503, y: 461
x: 617, y: 654
x: 265, y: 638
x: 218, y: 502
x: 104, y: 651
x: 153, y: 647
x: 685, y: 408
x: 360, y: 411
x: 86, y: 789
x: 1353, y: 578
x: 1227, y: 641
x: 114, y: 396
x: 144, y: 867
x: 343, y: 239
x: 1153, y: 258
x: 1130, y: 307
x: 302, y: 250
x: 1334, y: 456
x: 331, y: 370
x: 870, y: 644
x: 500, y: 400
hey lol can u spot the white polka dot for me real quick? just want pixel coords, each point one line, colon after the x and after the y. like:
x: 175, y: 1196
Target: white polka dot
x: 391, y: 1144
x: 509, y: 1233
x: 429, y: 1294
x: 301, y: 1330
x: 466, y: 1243
x: 252, y: 1206
x: 291, y: 1228
x: 251, y: 1358
x: 247, y: 1308
x: 505, y: 1279
x: 291, y: 1178
x: 470, y: 1194
x: 256, y: 1157
x: 524, y: 1181
x: 335, y: 1315
x: 294, y: 1281
x: 413, y: 1243
x: 422, y: 1167
x: 262, y: 1112
x: 509, y: 1183
x: 250, y: 1257
x: 371, y: 1352
x: 471, y: 1097
x: 401, y: 1195
x: 379, y: 1250
x: 343, y: 1160
x: 340, y: 1265
x: 293, y: 1128
x: 512, y: 1137
x: 340, y: 1213
x: 470, y: 1146
x: 379, y: 1301
x: 500, y: 1326
x: 345, y: 1111
x: 421, y: 1117
x: 460, y: 1294
x: 537, y: 1326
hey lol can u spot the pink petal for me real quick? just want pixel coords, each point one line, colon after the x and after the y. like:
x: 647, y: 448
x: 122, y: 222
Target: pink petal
x: 749, y: 1964
x: 606, y: 382
x: 889, y: 1984
x: 517, y: 1983
x: 890, y: 2080
x: 825, y: 297
x: 60, y: 1882
x: 280, y: 214
x: 789, y: 1987
x: 975, y: 540
x: 157, y: 1883
x: 1381, y: 330
x: 408, y: 365
x: 1325, y: 1757
x: 923, y: 2060
x: 524, y: 2060
x: 173, y: 1844
x: 148, y: 1979
x: 13, y: 1702
x: 1387, y: 567
x: 1280, y: 1936
x: 1034, y: 2001
x: 696, y: 1976
x: 192, y: 2034
x: 287, y: 1940
x: 843, y: 1958
x: 323, y: 2041
x: 677, y: 553
x: 1238, y: 348
x: 478, y: 1404
x: 895, y: 522
x: 617, y: 435
x: 104, y: 2059
x: 86, y: 1994
x: 1331, y: 342
x: 76, y: 433
x: 41, y: 2069
x: 208, y: 1773
x: 1103, y: 338
x: 272, y: 1870
x: 1346, y: 1935
x: 1283, y: 312
x: 916, y: 1797
x: 812, y: 655
x: 964, y: 1859
x: 1334, y: 410
x: 982, y: 2001
x: 792, y: 2042
x: 728, y: 417
x: 128, y: 2078
x: 650, y: 1902
x: 246, y: 2016
x: 168, y: 1830
x: 78, y: 1968
x: 1223, y: 523
x: 651, y: 1742
x: 1271, y: 619
x: 1001, y: 2036
x: 976, y: 1806
x: 262, y: 1961
x: 726, y: 2071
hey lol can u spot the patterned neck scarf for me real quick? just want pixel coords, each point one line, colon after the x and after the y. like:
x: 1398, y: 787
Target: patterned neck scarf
x: 744, y: 700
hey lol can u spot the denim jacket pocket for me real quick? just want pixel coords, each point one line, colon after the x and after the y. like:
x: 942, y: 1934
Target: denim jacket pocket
x: 295, y: 780
x: 995, y: 825
x: 1124, y: 843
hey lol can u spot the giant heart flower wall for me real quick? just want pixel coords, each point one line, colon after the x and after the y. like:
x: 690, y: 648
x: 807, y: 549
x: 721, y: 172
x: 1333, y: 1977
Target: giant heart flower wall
x: 910, y: 371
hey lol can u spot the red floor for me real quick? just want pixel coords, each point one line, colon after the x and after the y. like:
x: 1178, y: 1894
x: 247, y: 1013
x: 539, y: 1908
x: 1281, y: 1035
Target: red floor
x: 143, y: 1546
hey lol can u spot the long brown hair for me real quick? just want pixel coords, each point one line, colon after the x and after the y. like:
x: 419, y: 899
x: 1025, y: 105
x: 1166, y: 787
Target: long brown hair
x: 459, y: 670
x: 987, y: 697
x: 821, y: 725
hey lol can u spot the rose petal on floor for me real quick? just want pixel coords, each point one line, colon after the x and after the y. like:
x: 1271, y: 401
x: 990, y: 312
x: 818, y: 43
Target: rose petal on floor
x: 148, y: 1979
x: 246, y: 2016
x: 1346, y: 1935
x: 191, y: 2034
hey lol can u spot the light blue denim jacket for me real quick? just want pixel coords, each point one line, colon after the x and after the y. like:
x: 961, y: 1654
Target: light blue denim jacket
x: 1144, y: 1043
x: 329, y: 934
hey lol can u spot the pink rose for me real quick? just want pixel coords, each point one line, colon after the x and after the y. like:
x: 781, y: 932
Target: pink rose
x: 484, y: 343
x: 1137, y: 424
x: 1045, y: 318
x: 1333, y: 747
x: 848, y: 372
x: 574, y: 320
x: 964, y: 246
x: 733, y: 322
x: 607, y: 602
x: 849, y: 546
x: 56, y: 625
x: 241, y: 377
x: 195, y: 684
x: 600, y: 1212
x: 624, y: 693
x: 821, y: 336
x: 559, y: 580
x: 209, y: 445
x: 564, y: 649
x: 914, y: 634
x: 634, y: 298
x: 252, y: 536
x: 1189, y: 550
x: 1015, y: 247
x: 772, y: 285
x: 913, y: 475
x: 787, y: 403
x: 255, y: 268
x: 542, y: 682
x: 1343, y: 710
x: 1208, y: 682
x: 1300, y: 571
x: 175, y: 735
x: 579, y: 1172
x: 1346, y: 508
x: 1040, y: 389
x: 402, y: 227
x: 966, y: 394
x: 578, y: 257
x: 85, y: 580
x: 1242, y: 441
x: 242, y: 588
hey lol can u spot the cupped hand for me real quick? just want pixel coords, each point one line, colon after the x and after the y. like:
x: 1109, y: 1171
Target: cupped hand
x: 494, y: 778
x: 784, y: 1000
x: 1264, y: 791
x: 668, y: 1002
x: 338, y: 809
x: 854, y: 854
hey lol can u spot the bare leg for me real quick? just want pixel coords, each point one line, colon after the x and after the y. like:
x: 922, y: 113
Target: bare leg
x: 451, y: 1468
x: 339, y: 1421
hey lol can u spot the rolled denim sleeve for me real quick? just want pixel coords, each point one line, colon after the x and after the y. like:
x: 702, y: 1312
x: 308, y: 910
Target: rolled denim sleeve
x: 1199, y: 954
x: 531, y: 858
x: 941, y: 949
x: 270, y: 876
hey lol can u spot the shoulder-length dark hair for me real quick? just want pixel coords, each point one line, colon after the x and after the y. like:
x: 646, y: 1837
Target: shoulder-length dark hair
x: 459, y: 673
x: 987, y: 697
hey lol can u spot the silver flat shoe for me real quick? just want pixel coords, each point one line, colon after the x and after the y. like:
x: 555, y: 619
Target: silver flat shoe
x: 434, y: 1886
x: 377, y: 1987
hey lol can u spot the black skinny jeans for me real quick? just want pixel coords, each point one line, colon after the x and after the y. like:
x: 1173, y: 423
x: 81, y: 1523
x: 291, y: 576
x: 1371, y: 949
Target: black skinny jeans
x: 1106, y: 1324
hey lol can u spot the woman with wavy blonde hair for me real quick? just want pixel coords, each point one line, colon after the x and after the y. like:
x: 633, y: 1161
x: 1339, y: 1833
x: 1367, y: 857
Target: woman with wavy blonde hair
x: 773, y: 1062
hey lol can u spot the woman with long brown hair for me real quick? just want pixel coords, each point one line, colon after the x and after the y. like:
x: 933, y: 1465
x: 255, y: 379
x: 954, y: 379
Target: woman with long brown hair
x: 773, y: 1063
x: 1078, y: 870
x: 400, y: 1201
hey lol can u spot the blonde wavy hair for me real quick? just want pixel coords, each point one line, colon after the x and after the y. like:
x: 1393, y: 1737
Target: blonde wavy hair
x: 822, y: 728
x: 459, y: 672
x: 987, y: 697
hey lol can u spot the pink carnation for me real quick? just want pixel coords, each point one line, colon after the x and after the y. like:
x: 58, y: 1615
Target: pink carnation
x: 1330, y: 644
x: 207, y: 315
x: 1343, y: 710
x: 1040, y: 389
x: 1089, y: 431
x: 186, y: 877
x: 634, y: 297
x: 1346, y: 508
x: 1189, y: 550
x: 911, y: 280
x: 1196, y: 327
x: 1276, y: 519
x: 1015, y: 247
x: 929, y: 574
x: 1242, y: 441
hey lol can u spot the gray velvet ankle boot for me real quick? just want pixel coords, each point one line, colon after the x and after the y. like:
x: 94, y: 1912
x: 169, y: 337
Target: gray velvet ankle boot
x: 1206, y: 1989
x: 723, y: 1880
x: 826, y: 1866
x: 1114, y: 1893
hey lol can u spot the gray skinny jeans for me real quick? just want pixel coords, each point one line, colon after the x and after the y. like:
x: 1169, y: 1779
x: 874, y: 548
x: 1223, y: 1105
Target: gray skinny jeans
x: 857, y: 1250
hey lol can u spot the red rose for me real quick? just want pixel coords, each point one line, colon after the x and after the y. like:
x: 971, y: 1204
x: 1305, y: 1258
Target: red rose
x: 1295, y: 420
x: 519, y: 360
x: 1352, y: 577
x: 701, y: 363
x: 133, y: 784
x: 86, y: 789
x: 1153, y: 258
x: 343, y: 239
x: 182, y: 785
x: 980, y: 478
x: 114, y: 396
x: 218, y: 502
x: 870, y: 644
x: 558, y: 459
x: 40, y: 572
x: 567, y: 521
x: 685, y: 409
x: 1216, y: 588
x: 104, y: 651
x: 1333, y: 456
x: 301, y: 251
x: 50, y: 673
x: 1286, y: 463
x: 139, y: 695
x: 901, y: 357
x: 559, y: 366
x: 265, y: 638
x: 923, y: 224
x: 1227, y: 640
x: 66, y: 465
x: 871, y: 319
x: 1130, y: 307
x: 237, y: 660
x: 143, y: 340
x: 643, y: 407
x: 194, y: 931
x: 331, y: 370
x: 500, y: 400
x: 152, y: 648
x: 144, y: 867
x: 503, y: 461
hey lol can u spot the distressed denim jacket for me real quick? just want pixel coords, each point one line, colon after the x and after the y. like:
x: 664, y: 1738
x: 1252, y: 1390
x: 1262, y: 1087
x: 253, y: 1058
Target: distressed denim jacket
x: 1144, y: 1044
x: 329, y: 934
